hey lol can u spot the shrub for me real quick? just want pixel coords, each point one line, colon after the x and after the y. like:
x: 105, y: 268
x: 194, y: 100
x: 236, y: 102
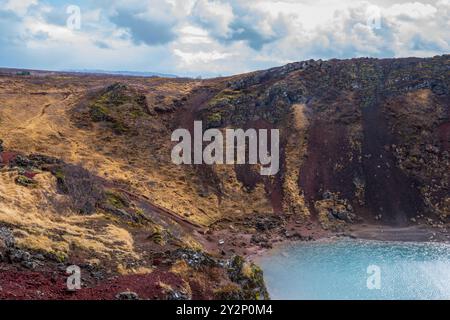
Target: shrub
x: 83, y: 188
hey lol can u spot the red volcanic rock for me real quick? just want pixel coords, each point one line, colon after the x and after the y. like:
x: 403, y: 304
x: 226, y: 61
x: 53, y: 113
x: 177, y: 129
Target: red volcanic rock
x: 6, y: 157
x: 20, y: 285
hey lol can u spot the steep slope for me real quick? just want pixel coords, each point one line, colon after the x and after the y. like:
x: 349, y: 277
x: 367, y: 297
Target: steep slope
x: 87, y: 175
x: 377, y: 144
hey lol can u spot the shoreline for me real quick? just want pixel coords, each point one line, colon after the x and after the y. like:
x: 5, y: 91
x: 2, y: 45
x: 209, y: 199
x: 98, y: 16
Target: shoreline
x: 379, y: 233
x: 254, y: 237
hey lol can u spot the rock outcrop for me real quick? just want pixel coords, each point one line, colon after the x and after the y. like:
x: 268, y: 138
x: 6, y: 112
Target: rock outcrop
x: 86, y: 175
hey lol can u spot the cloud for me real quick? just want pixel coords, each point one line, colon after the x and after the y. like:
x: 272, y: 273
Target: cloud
x: 201, y: 56
x: 142, y: 30
x: 350, y: 34
x: 214, y: 16
x: 210, y: 37
x: 101, y: 44
x: 149, y: 22
x: 257, y: 33
x: 18, y: 7
x: 412, y: 11
x: 236, y: 21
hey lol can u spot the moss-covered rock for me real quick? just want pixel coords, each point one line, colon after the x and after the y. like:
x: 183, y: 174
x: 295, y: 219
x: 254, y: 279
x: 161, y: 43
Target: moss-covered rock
x: 249, y: 277
x: 229, y: 292
x: 214, y: 120
x: 25, y: 181
x: 116, y: 199
x: 118, y: 106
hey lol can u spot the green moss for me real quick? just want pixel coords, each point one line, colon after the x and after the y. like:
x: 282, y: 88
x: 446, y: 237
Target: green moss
x: 58, y: 256
x: 157, y: 238
x: 119, y: 127
x: 250, y: 278
x: 99, y: 112
x: 214, y: 119
x: 158, y: 235
x: 137, y: 113
x: 225, y: 96
x: 25, y: 181
x: 119, y: 107
x: 59, y: 174
x: 100, y: 109
x: 139, y: 212
x: 116, y: 200
x: 60, y: 180
x: 117, y: 96
x: 229, y: 292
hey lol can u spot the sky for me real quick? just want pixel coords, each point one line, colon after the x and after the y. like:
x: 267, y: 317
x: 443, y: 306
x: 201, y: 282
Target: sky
x: 214, y: 37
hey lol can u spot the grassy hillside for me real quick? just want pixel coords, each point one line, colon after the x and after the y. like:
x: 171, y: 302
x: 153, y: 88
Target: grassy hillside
x: 86, y: 175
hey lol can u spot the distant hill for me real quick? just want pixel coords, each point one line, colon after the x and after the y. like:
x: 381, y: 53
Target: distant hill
x: 15, y: 71
x: 125, y: 73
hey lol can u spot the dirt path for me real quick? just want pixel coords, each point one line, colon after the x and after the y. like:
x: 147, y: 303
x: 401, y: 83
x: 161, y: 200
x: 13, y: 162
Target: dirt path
x: 164, y: 213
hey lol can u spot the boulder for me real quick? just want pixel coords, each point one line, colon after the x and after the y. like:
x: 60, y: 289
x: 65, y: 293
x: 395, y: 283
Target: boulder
x: 177, y: 295
x: 127, y: 295
x: 3, y: 250
x: 344, y: 215
x: 24, y: 181
x: 7, y: 237
x: 195, y: 259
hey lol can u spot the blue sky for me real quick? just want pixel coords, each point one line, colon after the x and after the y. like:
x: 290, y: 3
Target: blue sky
x: 215, y: 37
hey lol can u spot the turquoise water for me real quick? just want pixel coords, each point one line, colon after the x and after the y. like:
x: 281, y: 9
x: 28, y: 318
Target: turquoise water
x: 346, y: 269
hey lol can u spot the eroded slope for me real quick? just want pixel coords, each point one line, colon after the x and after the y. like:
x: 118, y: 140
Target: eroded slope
x: 87, y: 177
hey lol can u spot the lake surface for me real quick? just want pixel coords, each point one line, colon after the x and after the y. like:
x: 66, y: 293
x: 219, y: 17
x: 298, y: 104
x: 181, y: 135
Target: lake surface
x: 358, y: 269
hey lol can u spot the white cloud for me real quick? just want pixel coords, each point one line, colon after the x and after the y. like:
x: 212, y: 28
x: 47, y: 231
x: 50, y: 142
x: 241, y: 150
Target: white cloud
x: 201, y: 56
x: 193, y: 35
x: 216, y: 16
x: 19, y: 7
x: 411, y: 10
x: 189, y: 37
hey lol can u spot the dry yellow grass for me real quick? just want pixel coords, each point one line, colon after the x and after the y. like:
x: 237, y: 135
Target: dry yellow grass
x: 181, y: 268
x: 36, y: 118
x: 42, y: 124
x: 38, y: 226
x: 293, y: 199
x: 128, y: 271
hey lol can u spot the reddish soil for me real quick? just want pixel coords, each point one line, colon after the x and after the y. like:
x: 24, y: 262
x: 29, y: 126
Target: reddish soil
x: 444, y: 135
x: 389, y: 191
x: 26, y: 285
x: 327, y: 147
x: 7, y: 157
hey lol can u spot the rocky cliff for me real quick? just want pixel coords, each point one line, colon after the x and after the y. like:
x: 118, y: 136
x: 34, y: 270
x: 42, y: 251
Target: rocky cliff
x: 86, y: 175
